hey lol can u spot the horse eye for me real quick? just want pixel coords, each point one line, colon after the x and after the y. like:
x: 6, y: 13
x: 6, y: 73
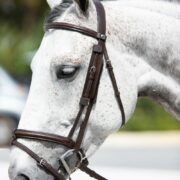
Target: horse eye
x: 66, y: 71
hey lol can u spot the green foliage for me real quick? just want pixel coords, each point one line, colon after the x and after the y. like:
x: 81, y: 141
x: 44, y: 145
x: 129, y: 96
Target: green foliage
x: 21, y: 32
x: 150, y: 116
x: 15, y: 45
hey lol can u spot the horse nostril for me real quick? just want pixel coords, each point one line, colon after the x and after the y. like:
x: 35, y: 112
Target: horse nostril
x: 22, y: 177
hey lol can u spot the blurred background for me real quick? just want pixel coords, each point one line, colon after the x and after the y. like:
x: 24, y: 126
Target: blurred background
x: 150, y: 140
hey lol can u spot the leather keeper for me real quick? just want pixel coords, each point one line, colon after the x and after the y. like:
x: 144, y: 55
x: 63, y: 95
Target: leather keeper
x: 98, y: 49
x: 109, y: 65
x: 84, y: 101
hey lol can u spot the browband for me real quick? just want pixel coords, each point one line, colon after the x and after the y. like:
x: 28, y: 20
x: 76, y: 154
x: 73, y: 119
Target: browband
x: 75, y: 28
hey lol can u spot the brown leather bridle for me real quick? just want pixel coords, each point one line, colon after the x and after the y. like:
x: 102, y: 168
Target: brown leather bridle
x: 88, y: 99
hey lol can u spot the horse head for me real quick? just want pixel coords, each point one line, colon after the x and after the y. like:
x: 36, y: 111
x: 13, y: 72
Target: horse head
x: 59, y: 72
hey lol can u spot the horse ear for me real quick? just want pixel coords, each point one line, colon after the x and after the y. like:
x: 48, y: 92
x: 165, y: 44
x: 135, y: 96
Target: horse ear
x: 83, y: 5
x: 54, y: 3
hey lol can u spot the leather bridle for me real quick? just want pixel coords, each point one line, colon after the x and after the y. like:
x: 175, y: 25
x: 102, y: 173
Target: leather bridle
x: 88, y: 99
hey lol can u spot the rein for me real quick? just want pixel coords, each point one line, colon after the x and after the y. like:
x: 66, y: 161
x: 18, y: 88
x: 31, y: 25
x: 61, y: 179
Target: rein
x: 88, y: 99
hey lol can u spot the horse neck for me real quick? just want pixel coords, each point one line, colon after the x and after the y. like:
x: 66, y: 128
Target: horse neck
x: 148, y: 42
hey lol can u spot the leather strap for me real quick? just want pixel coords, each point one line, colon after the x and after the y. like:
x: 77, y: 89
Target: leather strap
x: 114, y: 84
x: 91, y: 173
x: 71, y: 133
x: 101, y: 15
x: 75, y: 28
x: 35, y: 135
x: 91, y: 85
x: 83, y: 127
x: 93, y: 78
x: 87, y: 95
x: 42, y: 163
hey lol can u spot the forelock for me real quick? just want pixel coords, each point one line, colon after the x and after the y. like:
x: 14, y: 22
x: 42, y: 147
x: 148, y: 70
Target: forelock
x: 58, y: 10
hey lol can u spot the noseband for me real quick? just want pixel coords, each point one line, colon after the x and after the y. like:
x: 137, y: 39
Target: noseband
x: 88, y: 99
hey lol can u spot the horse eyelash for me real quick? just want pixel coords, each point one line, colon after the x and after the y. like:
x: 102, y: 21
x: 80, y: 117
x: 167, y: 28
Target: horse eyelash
x: 60, y: 74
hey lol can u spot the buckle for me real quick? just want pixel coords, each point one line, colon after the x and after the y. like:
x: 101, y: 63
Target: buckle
x: 42, y: 162
x: 93, y: 69
x: 68, y: 154
x: 82, y: 156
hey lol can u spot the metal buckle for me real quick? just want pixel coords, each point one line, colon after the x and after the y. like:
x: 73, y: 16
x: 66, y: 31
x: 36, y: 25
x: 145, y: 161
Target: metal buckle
x: 42, y: 162
x: 65, y: 164
x: 93, y: 69
x: 62, y: 159
x: 82, y: 157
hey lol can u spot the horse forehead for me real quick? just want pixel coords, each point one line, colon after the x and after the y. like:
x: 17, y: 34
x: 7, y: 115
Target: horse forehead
x: 66, y: 37
x: 60, y: 42
x: 50, y: 55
